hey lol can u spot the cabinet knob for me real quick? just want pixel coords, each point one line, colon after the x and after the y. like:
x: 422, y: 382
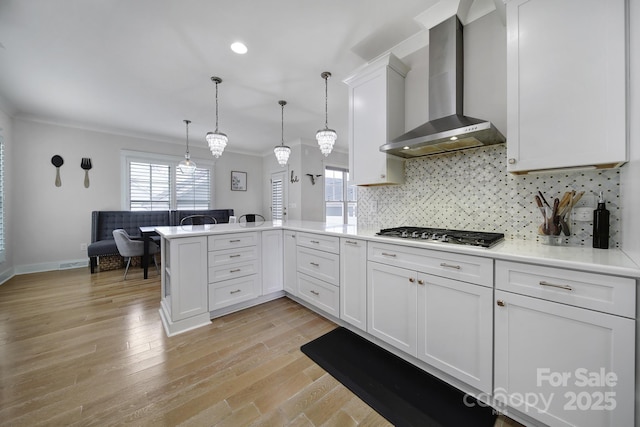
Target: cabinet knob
x: 420, y: 282
x: 411, y: 279
x: 383, y: 176
x: 512, y: 161
x: 500, y: 303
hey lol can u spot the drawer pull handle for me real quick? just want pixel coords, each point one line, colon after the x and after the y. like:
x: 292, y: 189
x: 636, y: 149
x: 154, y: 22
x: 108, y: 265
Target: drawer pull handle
x: 500, y: 303
x: 420, y: 282
x: 411, y: 279
x: 444, y: 264
x: 553, y: 285
x: 234, y: 256
x: 315, y: 293
x: 235, y: 270
x: 234, y: 241
x: 235, y: 292
x: 386, y: 254
x: 351, y: 242
x: 315, y: 241
x: 315, y: 264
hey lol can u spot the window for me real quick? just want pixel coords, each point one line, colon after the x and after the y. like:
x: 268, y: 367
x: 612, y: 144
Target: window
x: 154, y: 182
x: 277, y: 197
x: 340, y: 197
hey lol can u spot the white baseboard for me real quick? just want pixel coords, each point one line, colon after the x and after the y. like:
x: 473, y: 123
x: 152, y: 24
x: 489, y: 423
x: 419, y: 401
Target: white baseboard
x: 51, y: 266
x: 6, y: 275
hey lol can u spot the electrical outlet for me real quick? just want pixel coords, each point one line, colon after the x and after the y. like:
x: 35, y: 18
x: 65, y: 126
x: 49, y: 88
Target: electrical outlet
x: 83, y: 246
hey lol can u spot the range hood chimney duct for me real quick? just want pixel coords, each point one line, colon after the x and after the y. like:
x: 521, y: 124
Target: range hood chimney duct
x: 447, y: 129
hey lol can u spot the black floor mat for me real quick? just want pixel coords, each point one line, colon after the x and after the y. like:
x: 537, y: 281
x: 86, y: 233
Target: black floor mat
x: 402, y: 393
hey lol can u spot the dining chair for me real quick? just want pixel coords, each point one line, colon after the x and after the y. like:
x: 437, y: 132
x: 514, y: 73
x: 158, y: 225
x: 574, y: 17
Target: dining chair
x: 198, y: 220
x: 129, y: 248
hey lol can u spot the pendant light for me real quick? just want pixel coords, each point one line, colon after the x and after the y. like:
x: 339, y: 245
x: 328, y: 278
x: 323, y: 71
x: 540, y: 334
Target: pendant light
x: 282, y: 151
x: 217, y: 140
x: 187, y: 166
x: 326, y: 137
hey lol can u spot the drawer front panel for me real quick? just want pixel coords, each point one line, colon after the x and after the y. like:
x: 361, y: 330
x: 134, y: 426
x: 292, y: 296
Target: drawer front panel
x: 321, y: 294
x: 609, y: 294
x: 230, y: 271
x: 319, y: 241
x: 235, y: 240
x: 467, y: 268
x: 229, y: 292
x: 321, y: 265
x: 231, y: 256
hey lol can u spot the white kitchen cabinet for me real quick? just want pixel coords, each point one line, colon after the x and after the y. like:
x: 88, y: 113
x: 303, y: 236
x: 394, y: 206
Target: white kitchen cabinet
x: 234, y: 268
x: 435, y: 306
x: 184, y: 284
x: 455, y: 329
x: 318, y: 271
x: 376, y: 115
x: 272, y: 261
x: 289, y: 262
x: 566, y: 84
x: 353, y: 282
x: 572, y: 364
x: 392, y: 306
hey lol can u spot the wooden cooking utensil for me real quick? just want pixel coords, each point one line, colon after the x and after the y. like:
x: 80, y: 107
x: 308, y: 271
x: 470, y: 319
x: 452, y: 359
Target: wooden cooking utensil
x: 57, y: 161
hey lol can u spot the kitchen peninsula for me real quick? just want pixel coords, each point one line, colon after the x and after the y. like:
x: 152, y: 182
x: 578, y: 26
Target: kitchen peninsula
x: 484, y: 320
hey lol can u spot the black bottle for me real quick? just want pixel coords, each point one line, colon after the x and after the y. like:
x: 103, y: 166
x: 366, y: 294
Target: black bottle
x: 601, y: 225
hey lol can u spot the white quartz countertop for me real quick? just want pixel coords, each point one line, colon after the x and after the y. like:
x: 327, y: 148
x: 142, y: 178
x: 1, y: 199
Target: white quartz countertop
x: 606, y: 261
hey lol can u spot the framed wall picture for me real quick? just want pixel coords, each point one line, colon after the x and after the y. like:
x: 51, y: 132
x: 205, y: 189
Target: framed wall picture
x: 238, y: 181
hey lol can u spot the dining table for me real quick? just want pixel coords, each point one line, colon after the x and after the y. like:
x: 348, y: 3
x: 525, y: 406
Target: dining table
x: 147, y: 233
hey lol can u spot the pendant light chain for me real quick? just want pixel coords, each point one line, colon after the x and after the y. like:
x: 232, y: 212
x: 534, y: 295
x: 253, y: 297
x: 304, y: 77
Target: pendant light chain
x: 217, y: 105
x: 187, y: 123
x: 282, y: 104
x: 326, y: 137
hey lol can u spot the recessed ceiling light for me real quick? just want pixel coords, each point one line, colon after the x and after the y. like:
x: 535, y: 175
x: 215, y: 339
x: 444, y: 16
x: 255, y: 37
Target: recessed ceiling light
x: 239, y: 48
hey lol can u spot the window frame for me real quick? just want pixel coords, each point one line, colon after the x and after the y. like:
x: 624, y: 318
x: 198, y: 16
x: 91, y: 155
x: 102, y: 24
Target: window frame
x: 345, y: 194
x: 128, y: 156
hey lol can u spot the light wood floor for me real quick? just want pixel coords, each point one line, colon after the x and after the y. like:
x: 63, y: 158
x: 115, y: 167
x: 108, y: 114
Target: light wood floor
x: 82, y: 349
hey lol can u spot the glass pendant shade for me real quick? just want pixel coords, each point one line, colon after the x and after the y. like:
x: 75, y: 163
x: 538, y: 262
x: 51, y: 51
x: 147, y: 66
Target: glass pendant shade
x: 217, y: 140
x: 282, y: 154
x: 187, y: 166
x: 326, y: 137
x: 282, y: 151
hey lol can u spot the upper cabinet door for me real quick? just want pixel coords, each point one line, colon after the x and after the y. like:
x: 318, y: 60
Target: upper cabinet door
x: 566, y: 84
x: 376, y: 116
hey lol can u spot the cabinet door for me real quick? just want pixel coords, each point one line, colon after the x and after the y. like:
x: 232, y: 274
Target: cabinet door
x: 392, y: 306
x: 545, y: 350
x: 188, y: 277
x: 455, y: 329
x: 272, y: 268
x: 376, y: 113
x: 290, y: 262
x: 566, y: 83
x: 353, y: 282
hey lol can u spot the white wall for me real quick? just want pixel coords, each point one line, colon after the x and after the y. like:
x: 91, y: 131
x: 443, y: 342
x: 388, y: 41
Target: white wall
x: 305, y: 201
x: 50, y: 223
x: 6, y: 267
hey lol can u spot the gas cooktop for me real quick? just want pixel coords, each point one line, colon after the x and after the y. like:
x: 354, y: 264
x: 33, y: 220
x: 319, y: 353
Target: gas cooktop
x: 443, y: 235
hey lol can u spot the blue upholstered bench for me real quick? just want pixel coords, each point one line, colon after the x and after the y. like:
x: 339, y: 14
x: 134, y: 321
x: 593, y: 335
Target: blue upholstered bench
x: 104, y: 222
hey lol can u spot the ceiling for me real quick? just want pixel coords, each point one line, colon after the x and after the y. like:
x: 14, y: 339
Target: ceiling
x: 140, y: 67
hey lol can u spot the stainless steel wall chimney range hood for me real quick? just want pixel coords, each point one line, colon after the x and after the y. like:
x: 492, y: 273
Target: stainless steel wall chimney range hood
x: 447, y: 129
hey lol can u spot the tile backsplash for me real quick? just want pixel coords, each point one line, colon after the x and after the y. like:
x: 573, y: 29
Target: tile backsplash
x: 472, y: 190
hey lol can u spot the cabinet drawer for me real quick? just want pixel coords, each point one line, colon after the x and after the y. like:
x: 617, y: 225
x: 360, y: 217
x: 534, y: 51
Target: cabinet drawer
x: 609, y: 294
x: 235, y: 240
x: 231, y: 256
x: 321, y: 265
x: 467, y: 268
x: 230, y: 271
x: 321, y: 294
x: 319, y: 241
x: 229, y: 292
